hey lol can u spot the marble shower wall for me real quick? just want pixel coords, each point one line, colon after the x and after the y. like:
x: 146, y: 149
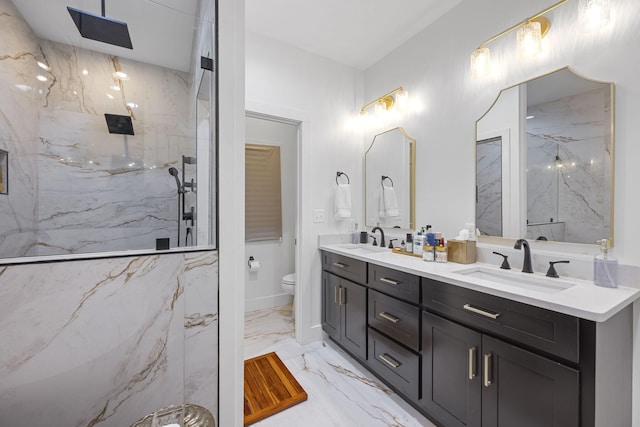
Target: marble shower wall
x: 75, y: 188
x: 489, y: 182
x: 104, y: 342
x: 571, y: 189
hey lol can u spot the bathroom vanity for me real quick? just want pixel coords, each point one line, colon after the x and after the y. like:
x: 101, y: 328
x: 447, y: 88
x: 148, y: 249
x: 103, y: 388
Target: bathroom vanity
x: 470, y: 345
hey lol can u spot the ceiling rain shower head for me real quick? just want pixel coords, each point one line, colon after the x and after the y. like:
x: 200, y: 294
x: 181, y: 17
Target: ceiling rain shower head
x: 101, y: 28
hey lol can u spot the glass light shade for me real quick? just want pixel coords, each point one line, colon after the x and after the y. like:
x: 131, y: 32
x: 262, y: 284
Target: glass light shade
x: 480, y: 62
x: 402, y: 100
x: 529, y: 40
x: 593, y: 14
x: 380, y: 107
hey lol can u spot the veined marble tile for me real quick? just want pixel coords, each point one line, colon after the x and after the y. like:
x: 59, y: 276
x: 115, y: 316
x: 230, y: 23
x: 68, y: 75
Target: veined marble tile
x: 341, y: 393
x: 266, y: 328
x: 102, y: 342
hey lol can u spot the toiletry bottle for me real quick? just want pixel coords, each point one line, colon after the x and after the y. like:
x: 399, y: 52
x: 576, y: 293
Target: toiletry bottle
x: 431, y: 238
x: 409, y: 245
x: 605, y: 267
x: 355, y: 235
x: 418, y: 243
x: 403, y: 246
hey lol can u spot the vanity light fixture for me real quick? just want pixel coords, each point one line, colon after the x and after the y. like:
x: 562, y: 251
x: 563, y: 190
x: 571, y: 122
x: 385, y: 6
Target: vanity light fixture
x: 398, y: 97
x: 529, y: 39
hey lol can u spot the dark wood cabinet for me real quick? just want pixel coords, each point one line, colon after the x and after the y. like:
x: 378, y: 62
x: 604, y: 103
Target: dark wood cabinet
x: 344, y: 313
x: 451, y: 372
x: 470, y: 380
x: 524, y: 389
x: 467, y: 358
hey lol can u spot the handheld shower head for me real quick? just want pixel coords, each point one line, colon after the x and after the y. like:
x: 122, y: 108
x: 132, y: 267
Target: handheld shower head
x: 174, y: 173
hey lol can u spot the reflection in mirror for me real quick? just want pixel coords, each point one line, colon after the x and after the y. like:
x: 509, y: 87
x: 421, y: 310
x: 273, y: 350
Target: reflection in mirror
x: 544, y: 156
x: 390, y: 180
x: 76, y: 187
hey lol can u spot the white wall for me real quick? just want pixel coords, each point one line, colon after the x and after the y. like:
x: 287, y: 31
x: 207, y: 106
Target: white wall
x: 277, y: 257
x: 437, y: 76
x: 324, y: 97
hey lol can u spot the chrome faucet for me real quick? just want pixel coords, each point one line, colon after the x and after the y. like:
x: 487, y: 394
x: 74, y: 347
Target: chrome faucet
x: 526, y: 264
x: 381, y: 235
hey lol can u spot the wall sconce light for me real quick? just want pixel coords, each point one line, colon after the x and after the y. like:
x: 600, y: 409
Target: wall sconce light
x: 398, y: 97
x: 529, y: 41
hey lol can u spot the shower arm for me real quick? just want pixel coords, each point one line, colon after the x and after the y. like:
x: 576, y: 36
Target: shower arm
x: 104, y: 13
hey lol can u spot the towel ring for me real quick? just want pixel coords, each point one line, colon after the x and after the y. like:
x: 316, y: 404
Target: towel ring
x: 382, y: 181
x: 338, y: 174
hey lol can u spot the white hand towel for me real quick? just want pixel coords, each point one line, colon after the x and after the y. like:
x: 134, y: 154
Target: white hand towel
x: 342, y: 206
x: 381, y: 208
x: 391, y: 208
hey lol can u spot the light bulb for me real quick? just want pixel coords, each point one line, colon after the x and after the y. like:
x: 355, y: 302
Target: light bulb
x: 402, y: 100
x: 529, y: 39
x: 380, y: 107
x: 593, y: 14
x: 480, y: 63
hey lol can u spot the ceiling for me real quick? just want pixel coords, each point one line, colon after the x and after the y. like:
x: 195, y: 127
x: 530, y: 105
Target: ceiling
x: 357, y: 33
x: 353, y: 32
x: 148, y: 22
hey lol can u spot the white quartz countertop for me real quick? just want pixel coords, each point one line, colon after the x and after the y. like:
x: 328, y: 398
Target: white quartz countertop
x: 582, y: 299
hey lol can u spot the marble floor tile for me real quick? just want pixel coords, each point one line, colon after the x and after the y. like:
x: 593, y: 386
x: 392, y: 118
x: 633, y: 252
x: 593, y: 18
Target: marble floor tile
x: 341, y: 391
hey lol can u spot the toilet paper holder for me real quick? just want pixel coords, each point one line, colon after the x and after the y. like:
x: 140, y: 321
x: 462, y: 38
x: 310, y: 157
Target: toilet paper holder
x: 253, y: 264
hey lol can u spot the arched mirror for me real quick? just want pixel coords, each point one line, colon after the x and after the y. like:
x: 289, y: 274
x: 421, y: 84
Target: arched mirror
x: 389, y: 166
x: 544, y: 160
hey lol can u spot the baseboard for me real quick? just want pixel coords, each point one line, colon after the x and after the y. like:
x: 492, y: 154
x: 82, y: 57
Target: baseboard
x: 270, y: 301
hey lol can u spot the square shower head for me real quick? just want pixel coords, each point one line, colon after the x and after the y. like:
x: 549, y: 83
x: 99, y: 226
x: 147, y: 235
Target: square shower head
x: 119, y: 124
x: 101, y: 28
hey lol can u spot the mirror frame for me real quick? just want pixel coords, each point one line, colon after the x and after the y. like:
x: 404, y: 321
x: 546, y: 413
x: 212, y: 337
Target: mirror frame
x: 612, y: 132
x: 412, y: 177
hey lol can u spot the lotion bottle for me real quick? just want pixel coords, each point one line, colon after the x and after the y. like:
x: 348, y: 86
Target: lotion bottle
x: 605, y: 267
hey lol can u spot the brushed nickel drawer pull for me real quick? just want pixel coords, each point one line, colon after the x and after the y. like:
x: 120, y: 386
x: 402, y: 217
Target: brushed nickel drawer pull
x: 481, y: 312
x: 390, y: 317
x: 487, y: 370
x: 472, y: 363
x: 389, y: 281
x: 340, y: 265
x: 389, y: 360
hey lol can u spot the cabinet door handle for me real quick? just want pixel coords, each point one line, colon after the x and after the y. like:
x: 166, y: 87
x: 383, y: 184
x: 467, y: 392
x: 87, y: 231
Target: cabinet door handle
x: 389, y: 281
x: 343, y: 296
x: 487, y: 370
x: 340, y: 265
x: 481, y: 312
x: 389, y: 360
x: 390, y: 317
x: 472, y: 363
x: 335, y: 295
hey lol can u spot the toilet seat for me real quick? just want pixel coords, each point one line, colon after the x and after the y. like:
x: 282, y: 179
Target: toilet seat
x: 289, y: 279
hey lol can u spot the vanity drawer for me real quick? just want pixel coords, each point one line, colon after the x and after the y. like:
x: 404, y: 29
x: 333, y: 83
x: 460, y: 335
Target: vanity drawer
x: 348, y: 268
x: 397, y: 319
x: 395, y: 364
x: 395, y: 283
x: 538, y: 328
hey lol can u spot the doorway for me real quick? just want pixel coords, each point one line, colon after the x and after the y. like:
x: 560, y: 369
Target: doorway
x: 265, y: 296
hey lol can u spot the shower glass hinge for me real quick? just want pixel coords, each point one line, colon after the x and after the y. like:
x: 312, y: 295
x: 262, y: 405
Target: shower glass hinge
x: 206, y: 63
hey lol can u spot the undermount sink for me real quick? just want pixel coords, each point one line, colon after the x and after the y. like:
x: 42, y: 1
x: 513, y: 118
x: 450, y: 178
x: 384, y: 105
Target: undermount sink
x: 517, y: 279
x: 362, y: 248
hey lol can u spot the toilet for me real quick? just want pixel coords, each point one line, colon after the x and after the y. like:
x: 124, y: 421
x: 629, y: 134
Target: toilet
x: 289, y: 286
x: 289, y: 283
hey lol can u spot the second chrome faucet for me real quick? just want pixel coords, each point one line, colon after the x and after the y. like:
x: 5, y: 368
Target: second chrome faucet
x: 526, y: 264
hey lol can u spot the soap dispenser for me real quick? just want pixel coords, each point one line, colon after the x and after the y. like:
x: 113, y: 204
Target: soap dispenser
x: 605, y: 267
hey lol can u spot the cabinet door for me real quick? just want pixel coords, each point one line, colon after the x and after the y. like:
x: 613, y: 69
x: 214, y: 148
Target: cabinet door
x: 330, y: 307
x: 451, y: 372
x: 526, y: 390
x: 354, y: 318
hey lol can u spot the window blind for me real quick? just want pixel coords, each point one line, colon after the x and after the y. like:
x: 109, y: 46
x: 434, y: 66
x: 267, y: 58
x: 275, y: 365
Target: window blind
x: 263, y: 197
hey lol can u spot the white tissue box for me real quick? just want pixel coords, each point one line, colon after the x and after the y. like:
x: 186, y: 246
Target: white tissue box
x: 462, y: 251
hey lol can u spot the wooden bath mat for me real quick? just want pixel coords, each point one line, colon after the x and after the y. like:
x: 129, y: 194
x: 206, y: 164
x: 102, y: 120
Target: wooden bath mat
x: 269, y: 388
